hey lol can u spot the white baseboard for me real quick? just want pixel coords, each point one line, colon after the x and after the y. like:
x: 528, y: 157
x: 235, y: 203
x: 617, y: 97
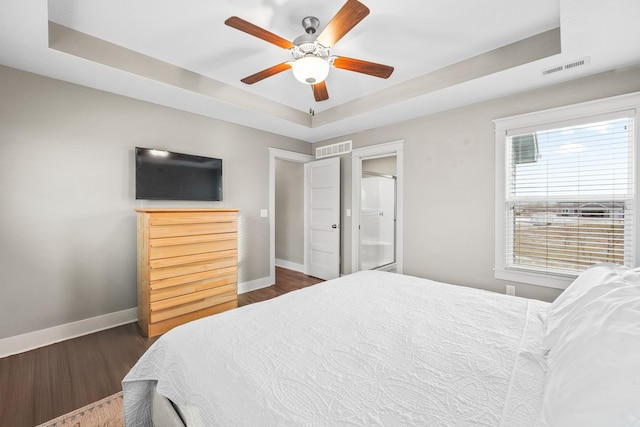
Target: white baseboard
x: 290, y: 265
x: 31, y: 340
x: 254, y: 285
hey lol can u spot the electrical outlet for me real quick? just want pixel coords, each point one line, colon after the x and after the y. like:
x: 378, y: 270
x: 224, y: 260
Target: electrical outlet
x: 511, y: 290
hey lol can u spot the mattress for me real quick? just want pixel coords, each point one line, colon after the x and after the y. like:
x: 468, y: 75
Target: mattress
x: 370, y: 348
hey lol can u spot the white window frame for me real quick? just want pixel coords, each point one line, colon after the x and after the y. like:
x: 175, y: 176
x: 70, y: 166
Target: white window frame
x: 537, y: 119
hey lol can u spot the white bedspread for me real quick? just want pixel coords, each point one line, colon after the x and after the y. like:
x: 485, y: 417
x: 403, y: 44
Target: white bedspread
x: 371, y: 348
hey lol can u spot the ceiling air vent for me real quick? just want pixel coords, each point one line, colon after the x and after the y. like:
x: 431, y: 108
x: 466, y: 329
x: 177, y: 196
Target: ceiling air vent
x: 333, y: 149
x: 567, y: 66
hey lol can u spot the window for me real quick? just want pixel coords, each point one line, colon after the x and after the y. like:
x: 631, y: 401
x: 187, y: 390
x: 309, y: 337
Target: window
x: 566, y: 195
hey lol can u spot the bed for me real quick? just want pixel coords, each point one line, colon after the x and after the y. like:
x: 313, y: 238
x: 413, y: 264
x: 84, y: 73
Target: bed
x: 379, y: 348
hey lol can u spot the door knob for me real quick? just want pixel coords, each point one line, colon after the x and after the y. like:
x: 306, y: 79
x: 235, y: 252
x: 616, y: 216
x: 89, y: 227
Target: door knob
x: 335, y: 226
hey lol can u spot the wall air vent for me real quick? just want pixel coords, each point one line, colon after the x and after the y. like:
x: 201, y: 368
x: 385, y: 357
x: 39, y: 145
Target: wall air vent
x: 333, y: 149
x: 552, y: 70
x: 566, y: 66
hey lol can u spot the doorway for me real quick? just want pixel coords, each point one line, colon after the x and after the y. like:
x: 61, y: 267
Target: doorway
x: 321, y: 213
x: 276, y: 155
x: 289, y: 215
x: 377, y: 217
x: 377, y: 203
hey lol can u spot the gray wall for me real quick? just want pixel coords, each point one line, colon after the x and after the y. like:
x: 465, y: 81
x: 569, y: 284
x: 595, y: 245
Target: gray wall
x: 67, y: 223
x: 289, y: 214
x: 449, y: 168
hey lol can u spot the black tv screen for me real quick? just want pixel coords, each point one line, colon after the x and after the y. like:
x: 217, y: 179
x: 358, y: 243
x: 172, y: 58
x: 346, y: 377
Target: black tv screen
x: 163, y: 175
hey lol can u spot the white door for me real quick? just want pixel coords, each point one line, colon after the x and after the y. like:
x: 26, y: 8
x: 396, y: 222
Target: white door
x: 323, y: 218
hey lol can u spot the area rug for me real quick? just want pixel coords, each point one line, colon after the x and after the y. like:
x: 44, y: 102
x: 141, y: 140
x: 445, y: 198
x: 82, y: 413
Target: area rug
x: 103, y: 413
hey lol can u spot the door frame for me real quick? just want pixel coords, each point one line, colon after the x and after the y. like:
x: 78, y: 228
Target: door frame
x: 291, y: 156
x: 371, y: 152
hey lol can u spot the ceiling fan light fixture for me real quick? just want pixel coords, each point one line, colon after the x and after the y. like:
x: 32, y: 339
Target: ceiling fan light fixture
x: 310, y: 69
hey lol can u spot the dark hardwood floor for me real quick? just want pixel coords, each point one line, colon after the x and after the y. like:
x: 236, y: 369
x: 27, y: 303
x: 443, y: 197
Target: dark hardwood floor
x: 286, y: 281
x: 44, y: 383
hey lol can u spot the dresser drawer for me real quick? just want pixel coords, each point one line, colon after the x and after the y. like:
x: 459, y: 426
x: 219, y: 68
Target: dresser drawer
x: 191, y: 249
x: 188, y: 278
x: 156, y: 274
x: 163, y: 326
x: 192, y: 259
x: 170, y: 218
x: 186, y: 240
x: 160, y: 231
x: 228, y: 282
x: 165, y: 309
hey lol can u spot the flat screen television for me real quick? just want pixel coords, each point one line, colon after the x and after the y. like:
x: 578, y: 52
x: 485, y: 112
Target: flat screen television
x: 163, y: 175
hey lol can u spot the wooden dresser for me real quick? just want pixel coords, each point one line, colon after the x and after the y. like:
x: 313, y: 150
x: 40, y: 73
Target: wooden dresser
x: 187, y: 265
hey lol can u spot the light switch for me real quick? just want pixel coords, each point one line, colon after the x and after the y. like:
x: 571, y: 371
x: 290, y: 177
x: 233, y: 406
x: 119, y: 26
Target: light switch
x: 264, y: 213
x: 348, y: 212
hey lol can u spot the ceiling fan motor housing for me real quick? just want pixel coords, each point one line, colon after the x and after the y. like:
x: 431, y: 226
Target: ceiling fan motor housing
x: 306, y: 45
x: 310, y: 24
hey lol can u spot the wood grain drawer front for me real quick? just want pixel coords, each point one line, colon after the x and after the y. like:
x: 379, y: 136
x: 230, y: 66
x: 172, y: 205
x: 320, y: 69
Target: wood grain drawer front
x: 157, y: 274
x: 160, y: 312
x: 191, y: 297
x: 191, y: 249
x: 163, y: 326
x: 188, y: 278
x: 192, y: 259
x: 161, y: 231
x: 196, y: 238
x: 171, y: 218
x: 228, y: 282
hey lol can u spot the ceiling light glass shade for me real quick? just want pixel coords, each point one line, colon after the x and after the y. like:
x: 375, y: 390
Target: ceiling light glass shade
x: 310, y: 70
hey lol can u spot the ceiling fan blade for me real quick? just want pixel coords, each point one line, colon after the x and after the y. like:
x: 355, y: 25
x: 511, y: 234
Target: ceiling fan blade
x: 271, y: 71
x: 364, y: 67
x: 261, y: 33
x: 348, y: 17
x: 320, y: 91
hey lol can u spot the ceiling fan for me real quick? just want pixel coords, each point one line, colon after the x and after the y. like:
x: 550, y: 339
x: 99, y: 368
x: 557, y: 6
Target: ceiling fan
x: 311, y: 59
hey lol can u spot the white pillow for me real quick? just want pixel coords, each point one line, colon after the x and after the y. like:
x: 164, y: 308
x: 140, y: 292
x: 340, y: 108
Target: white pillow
x: 593, y: 282
x: 593, y: 371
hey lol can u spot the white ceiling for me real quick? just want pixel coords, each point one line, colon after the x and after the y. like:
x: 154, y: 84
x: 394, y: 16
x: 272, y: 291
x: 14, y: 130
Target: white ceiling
x: 186, y: 58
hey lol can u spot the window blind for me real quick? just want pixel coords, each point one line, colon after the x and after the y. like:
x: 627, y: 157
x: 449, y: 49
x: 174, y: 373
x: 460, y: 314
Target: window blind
x: 570, y: 195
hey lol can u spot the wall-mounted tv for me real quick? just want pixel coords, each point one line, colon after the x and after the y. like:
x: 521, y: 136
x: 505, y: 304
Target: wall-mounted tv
x: 163, y: 175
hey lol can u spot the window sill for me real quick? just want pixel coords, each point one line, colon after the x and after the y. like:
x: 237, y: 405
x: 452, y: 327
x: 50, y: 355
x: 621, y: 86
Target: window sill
x: 538, y: 279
